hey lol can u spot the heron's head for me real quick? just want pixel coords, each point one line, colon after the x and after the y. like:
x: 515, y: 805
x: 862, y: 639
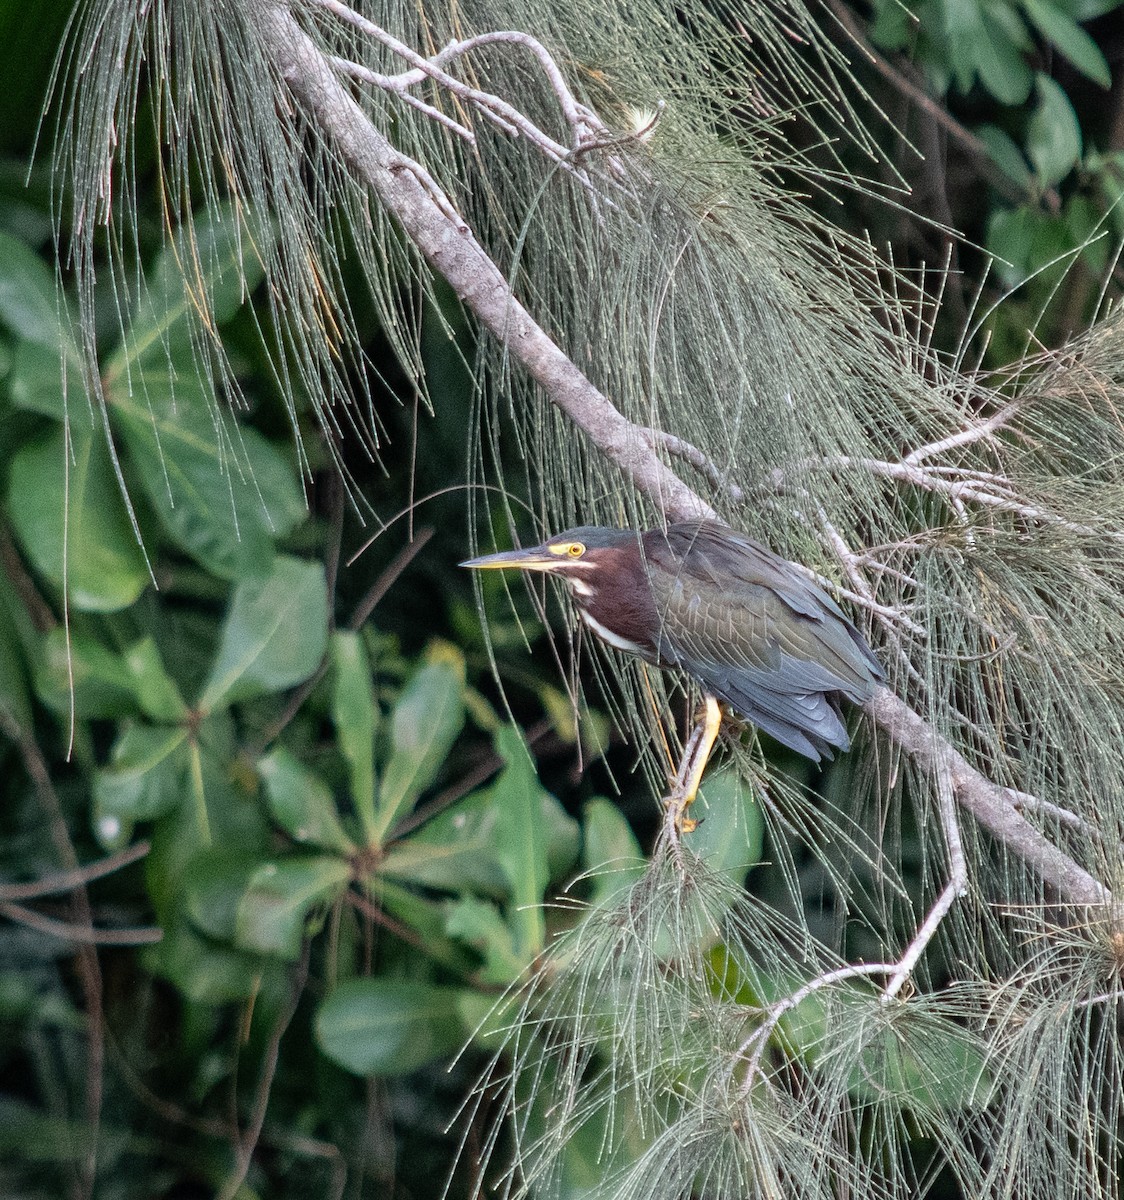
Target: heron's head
x: 589, y: 558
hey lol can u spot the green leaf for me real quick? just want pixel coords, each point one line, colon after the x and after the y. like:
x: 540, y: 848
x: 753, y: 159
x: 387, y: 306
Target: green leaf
x: 423, y: 726
x: 962, y: 31
x: 222, y: 492
x: 1058, y: 27
x: 731, y: 828
x: 217, y: 880
x: 355, y: 714
x: 999, y: 51
x: 1025, y: 240
x: 273, y: 636
x: 611, y: 855
x: 272, y: 912
x: 388, y: 1026
x: 427, y: 918
x: 452, y: 852
x: 29, y: 297
x: 1053, y: 135
x: 98, y: 680
x: 924, y: 1064
x: 201, y: 970
x: 481, y: 925
x: 36, y: 384
x: 1006, y: 154
x: 72, y: 513
x: 154, y: 688
x: 301, y: 803
x: 455, y: 851
x: 520, y: 841
x: 144, y: 780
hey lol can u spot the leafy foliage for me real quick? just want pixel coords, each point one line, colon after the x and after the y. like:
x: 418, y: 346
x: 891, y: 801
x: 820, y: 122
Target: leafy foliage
x: 354, y: 866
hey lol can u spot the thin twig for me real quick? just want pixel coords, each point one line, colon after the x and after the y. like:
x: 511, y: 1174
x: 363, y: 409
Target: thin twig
x: 66, y: 881
x: 964, y: 137
x: 89, y: 969
x: 758, y: 1039
x: 389, y: 577
x: 451, y: 249
x: 501, y: 113
x: 79, y: 933
x: 964, y: 437
x: 249, y: 1140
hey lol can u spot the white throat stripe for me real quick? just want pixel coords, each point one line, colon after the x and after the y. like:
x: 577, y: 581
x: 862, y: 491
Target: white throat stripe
x: 607, y: 635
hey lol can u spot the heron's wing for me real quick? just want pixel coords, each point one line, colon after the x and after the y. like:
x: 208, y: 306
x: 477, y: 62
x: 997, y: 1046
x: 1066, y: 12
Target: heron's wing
x: 755, y: 631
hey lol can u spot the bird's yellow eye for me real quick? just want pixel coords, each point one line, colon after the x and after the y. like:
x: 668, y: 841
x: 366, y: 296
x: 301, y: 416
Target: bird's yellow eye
x: 575, y: 549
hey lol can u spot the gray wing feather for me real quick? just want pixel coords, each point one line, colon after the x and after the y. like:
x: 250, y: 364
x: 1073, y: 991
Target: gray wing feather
x: 754, y: 631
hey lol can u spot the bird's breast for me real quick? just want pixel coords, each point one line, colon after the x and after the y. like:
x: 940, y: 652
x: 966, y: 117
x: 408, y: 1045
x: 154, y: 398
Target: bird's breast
x: 620, y: 641
x: 623, y: 613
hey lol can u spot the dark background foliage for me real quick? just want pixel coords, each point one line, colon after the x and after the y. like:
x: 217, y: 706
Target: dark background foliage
x: 238, y: 719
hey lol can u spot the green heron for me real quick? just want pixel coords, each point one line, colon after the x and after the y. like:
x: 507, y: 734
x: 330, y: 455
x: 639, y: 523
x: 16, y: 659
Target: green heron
x: 751, y: 629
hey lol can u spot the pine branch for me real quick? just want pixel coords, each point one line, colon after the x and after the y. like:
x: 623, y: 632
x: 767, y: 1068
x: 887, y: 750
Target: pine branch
x: 445, y: 241
x: 448, y: 245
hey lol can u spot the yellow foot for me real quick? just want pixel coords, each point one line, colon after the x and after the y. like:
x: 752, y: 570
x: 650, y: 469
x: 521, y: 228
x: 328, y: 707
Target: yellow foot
x: 690, y: 773
x: 676, y: 807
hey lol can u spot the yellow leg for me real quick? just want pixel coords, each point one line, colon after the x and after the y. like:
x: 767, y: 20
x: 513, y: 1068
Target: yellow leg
x: 696, y: 754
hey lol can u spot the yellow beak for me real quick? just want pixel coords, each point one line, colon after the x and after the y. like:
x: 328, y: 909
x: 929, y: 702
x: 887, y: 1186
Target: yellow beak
x: 537, y: 558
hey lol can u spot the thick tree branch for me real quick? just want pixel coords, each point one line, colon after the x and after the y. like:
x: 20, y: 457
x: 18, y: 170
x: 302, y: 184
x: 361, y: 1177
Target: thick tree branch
x: 448, y: 245
x: 994, y: 807
x: 430, y: 221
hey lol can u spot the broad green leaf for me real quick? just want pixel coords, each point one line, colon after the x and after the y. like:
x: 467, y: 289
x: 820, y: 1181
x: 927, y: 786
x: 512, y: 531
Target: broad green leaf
x: 455, y: 851
x: 99, y: 680
x: 1087, y: 228
x: 482, y: 926
x: 273, y: 636
x: 1058, y: 27
x: 925, y: 1064
x: 611, y: 855
x: 145, y: 778
x: 962, y: 31
x: 999, y: 51
x: 426, y: 917
x: 222, y: 492
x: 355, y: 714
x: 233, y: 823
x: 154, y: 688
x: 202, y: 970
x: 216, y: 881
x: 891, y: 28
x: 1024, y: 240
x: 36, y: 384
x: 72, y: 523
x: 29, y: 297
x: 1053, y: 136
x: 1089, y: 10
x: 1005, y: 153
x: 423, y: 726
x: 731, y: 829
x: 301, y: 803
x: 279, y: 897
x: 489, y: 1020
x: 520, y: 841
x: 388, y: 1026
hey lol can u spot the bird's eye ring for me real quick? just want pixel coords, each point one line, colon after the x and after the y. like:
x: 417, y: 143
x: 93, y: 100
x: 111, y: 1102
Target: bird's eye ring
x: 575, y: 549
